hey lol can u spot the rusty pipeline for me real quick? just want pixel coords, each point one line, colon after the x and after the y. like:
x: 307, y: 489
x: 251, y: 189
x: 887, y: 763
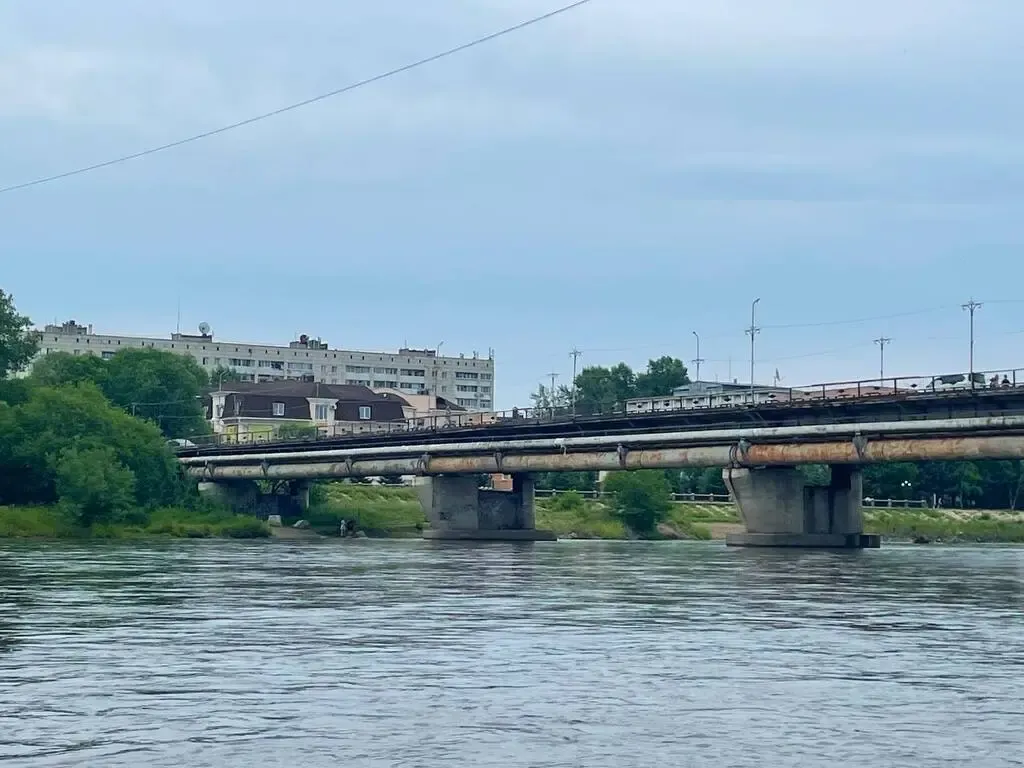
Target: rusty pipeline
x: 630, y: 442
x: 784, y: 454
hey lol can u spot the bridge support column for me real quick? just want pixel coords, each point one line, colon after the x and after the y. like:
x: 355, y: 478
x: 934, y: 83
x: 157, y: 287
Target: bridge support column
x: 459, y: 510
x: 245, y: 497
x: 779, y: 509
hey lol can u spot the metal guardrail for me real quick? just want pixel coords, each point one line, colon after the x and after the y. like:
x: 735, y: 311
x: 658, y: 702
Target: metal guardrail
x: 893, y: 503
x: 695, y: 498
x: 897, y: 388
x: 724, y: 498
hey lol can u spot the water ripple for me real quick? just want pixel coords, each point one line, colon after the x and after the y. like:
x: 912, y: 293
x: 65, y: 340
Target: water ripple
x: 556, y: 656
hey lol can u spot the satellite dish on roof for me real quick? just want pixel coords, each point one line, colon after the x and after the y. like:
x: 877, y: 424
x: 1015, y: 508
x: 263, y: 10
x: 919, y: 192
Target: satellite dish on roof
x: 204, y: 329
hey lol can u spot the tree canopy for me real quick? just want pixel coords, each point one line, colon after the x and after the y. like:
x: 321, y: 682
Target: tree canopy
x: 642, y: 498
x: 18, y: 342
x: 69, y: 444
x: 152, y: 384
x: 602, y: 390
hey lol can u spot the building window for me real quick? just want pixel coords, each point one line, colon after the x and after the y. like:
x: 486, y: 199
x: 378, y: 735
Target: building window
x: 364, y: 412
x: 321, y: 411
x: 278, y: 409
x: 107, y: 355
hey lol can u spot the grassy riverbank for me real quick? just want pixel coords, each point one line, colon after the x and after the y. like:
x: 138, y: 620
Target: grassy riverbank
x: 52, y: 522
x: 394, y: 511
x: 946, y: 525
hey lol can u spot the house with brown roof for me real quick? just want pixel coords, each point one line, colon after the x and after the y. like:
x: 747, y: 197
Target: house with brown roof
x: 255, y: 412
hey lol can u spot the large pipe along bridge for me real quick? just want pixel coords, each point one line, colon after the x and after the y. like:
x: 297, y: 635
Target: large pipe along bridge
x: 778, y: 508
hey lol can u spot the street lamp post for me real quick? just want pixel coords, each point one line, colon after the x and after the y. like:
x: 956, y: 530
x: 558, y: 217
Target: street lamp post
x: 753, y: 330
x: 575, y: 354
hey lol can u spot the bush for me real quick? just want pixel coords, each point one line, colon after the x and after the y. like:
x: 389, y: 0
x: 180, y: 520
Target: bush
x: 570, y: 501
x: 245, y: 528
x: 94, y: 486
x: 642, y: 498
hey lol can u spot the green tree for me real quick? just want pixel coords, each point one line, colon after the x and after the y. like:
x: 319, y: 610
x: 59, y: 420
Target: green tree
x: 60, y: 368
x: 566, y: 481
x: 94, y: 485
x: 150, y: 384
x: 546, y: 399
x: 220, y: 376
x: 642, y: 498
x: 18, y: 342
x: 661, y: 377
x: 161, y: 387
x: 953, y: 482
x: 815, y: 474
x: 56, y: 419
x: 602, y: 390
x: 898, y: 480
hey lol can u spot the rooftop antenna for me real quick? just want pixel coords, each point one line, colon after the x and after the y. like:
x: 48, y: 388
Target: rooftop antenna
x: 178, y: 325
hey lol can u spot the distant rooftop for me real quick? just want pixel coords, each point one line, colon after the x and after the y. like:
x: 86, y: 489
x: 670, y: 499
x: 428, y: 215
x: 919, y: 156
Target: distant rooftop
x: 205, y: 334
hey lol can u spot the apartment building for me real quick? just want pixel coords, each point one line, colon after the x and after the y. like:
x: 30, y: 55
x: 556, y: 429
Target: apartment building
x: 467, y: 381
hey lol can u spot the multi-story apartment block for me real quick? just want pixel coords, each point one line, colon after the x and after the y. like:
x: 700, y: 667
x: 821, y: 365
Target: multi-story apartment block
x: 467, y: 381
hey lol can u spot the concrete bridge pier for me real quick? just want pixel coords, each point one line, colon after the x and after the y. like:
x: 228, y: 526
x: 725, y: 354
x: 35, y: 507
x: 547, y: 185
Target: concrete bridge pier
x: 460, y: 510
x: 779, y: 509
x: 246, y: 497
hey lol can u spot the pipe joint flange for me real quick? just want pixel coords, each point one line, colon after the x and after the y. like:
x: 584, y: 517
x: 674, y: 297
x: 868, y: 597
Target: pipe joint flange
x: 348, y: 465
x: 499, y: 458
x: 264, y: 467
x: 422, y: 463
x: 738, y: 453
x: 622, y: 452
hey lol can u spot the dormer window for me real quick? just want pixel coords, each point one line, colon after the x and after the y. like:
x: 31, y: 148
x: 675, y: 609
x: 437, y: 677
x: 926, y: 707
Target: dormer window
x: 278, y: 409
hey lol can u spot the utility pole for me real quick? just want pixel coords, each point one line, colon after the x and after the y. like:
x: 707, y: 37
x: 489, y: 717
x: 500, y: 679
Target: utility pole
x: 753, y: 330
x: 551, y: 393
x: 881, y: 342
x: 970, y: 306
x: 698, y: 359
x: 575, y: 355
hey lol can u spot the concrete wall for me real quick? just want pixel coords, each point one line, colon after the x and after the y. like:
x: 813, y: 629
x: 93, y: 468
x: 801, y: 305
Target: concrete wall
x: 457, y: 508
x: 778, y: 508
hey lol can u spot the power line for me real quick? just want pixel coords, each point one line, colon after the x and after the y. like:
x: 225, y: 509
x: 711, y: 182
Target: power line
x: 855, y: 321
x: 300, y: 104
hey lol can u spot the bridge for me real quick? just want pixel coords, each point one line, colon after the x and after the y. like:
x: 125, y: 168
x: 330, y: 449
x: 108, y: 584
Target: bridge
x: 758, y: 445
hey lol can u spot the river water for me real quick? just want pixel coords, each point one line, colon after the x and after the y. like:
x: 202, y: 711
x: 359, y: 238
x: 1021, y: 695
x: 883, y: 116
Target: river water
x: 369, y: 653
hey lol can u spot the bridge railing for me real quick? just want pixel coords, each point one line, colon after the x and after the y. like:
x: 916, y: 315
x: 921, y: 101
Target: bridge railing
x: 890, y: 503
x: 724, y: 498
x: 900, y: 387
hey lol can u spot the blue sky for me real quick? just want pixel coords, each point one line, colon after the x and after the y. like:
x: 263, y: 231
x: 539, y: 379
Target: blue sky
x: 611, y: 180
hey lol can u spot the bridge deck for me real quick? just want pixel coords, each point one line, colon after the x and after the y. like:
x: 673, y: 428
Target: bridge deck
x: 877, y: 408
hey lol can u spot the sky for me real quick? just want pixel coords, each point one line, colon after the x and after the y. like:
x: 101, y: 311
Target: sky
x: 612, y: 180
